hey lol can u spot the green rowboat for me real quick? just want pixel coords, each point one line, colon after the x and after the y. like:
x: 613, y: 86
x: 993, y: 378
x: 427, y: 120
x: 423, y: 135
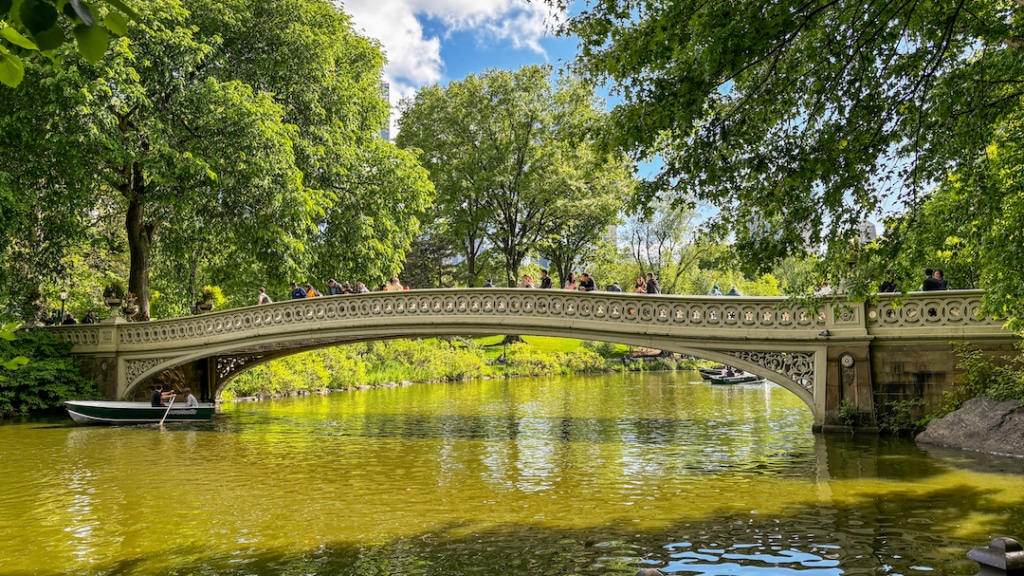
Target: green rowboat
x: 101, y: 412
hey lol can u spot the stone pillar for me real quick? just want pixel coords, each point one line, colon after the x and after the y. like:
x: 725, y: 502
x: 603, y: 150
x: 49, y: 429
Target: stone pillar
x: 208, y: 379
x: 849, y: 396
x: 1002, y: 557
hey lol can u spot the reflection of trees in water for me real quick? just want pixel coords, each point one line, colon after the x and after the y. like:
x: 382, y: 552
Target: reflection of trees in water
x: 862, y: 536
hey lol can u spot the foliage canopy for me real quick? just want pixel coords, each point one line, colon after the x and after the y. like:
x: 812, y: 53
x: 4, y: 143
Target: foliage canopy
x: 238, y: 143
x: 800, y: 119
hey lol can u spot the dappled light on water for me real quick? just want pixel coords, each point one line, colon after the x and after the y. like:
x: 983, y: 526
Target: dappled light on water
x: 589, y: 475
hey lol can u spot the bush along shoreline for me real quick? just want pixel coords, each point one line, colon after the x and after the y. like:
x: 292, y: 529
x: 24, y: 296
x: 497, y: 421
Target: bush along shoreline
x: 403, y: 362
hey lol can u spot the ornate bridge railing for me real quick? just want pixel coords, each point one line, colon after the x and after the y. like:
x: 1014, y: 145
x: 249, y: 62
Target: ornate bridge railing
x: 949, y: 313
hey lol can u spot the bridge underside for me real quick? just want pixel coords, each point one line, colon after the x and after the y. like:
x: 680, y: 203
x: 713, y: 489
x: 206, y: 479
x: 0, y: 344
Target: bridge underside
x: 210, y: 369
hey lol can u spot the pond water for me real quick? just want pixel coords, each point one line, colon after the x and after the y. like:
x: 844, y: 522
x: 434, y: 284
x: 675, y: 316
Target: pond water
x: 596, y: 475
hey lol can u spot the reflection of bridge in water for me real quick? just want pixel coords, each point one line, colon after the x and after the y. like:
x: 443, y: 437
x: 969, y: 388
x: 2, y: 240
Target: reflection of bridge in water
x: 862, y: 353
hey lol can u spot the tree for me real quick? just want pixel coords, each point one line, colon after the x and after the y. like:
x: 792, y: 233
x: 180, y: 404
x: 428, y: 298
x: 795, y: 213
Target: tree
x: 30, y: 26
x: 574, y: 235
x: 805, y: 116
x: 503, y: 149
x: 664, y: 240
x: 233, y: 138
x: 429, y: 263
x: 589, y: 186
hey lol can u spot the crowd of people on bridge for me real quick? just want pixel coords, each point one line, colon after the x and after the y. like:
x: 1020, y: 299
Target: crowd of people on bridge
x: 583, y: 282
x: 648, y: 284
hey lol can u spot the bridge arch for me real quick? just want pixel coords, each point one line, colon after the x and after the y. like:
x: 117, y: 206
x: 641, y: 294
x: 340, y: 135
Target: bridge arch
x: 241, y: 358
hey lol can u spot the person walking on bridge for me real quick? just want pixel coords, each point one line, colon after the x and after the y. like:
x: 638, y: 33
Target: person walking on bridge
x: 297, y: 292
x: 263, y: 297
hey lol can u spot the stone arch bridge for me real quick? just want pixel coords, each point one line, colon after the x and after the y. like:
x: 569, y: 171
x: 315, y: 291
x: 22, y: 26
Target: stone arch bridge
x: 861, y: 355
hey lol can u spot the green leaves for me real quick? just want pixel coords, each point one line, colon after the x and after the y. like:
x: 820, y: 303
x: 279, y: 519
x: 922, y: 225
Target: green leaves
x: 92, y: 42
x: 7, y: 333
x: 15, y: 37
x: 506, y: 150
x: 12, y: 70
x: 46, y: 376
x: 34, y: 26
x: 116, y: 23
x: 239, y: 165
x: 37, y: 15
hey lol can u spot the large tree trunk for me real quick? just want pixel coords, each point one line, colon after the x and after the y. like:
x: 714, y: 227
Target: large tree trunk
x: 140, y: 238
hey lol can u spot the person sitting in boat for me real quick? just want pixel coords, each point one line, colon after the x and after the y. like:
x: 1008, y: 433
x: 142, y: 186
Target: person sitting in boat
x: 159, y: 396
x: 190, y: 400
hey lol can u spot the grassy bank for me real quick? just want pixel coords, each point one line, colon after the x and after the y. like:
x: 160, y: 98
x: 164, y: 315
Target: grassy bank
x: 438, y: 360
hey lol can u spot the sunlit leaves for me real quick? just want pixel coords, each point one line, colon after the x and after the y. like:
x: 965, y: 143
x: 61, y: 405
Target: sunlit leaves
x: 505, y: 149
x: 12, y: 70
x: 15, y: 37
x: 804, y: 118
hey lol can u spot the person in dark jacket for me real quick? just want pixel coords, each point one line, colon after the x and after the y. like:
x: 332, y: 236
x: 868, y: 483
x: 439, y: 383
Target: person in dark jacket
x: 930, y: 281
x: 652, y: 284
x: 297, y: 292
x: 889, y: 284
x: 545, y: 280
x: 587, y: 283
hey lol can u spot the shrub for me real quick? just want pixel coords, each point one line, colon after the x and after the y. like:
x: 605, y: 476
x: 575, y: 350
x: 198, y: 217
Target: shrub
x: 897, y: 418
x: 983, y: 376
x: 522, y: 360
x: 50, y: 377
x: 582, y: 361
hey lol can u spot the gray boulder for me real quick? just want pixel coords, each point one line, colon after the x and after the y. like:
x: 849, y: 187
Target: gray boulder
x: 981, y: 425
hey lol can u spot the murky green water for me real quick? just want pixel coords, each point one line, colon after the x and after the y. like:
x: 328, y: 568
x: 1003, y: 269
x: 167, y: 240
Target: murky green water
x: 595, y: 475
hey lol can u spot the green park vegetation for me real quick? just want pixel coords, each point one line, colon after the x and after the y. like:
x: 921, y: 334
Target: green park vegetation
x: 162, y: 151
x: 393, y: 362
x: 40, y: 374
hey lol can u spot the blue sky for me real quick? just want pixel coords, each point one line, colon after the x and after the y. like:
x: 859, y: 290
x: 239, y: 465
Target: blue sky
x: 436, y: 41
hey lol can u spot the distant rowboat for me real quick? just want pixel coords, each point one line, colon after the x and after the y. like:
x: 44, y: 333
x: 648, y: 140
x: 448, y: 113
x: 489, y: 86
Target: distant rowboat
x: 740, y: 378
x: 102, y: 412
x: 727, y: 376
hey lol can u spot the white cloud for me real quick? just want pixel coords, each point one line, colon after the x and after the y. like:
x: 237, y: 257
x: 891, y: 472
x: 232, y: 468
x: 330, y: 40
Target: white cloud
x: 415, y: 60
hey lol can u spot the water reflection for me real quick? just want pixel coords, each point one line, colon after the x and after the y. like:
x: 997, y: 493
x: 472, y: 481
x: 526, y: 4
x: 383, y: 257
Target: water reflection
x: 540, y: 476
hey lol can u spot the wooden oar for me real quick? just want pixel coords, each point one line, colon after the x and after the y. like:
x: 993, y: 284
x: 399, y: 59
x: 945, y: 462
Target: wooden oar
x: 169, y: 404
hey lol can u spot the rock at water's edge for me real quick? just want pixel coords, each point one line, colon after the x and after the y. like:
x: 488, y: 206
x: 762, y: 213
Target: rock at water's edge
x: 981, y: 425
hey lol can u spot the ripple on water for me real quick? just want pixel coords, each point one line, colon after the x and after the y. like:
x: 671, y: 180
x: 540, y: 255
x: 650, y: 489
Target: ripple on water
x: 592, y: 476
